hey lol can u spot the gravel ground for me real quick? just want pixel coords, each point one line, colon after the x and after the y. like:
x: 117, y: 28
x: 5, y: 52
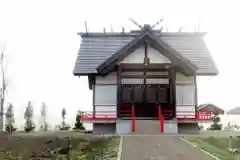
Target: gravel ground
x: 159, y: 148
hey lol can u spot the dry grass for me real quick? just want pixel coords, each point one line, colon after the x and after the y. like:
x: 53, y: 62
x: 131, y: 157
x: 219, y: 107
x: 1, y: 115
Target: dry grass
x: 23, y: 144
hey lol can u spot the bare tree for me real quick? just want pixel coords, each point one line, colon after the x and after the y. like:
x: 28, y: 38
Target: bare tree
x: 3, y: 85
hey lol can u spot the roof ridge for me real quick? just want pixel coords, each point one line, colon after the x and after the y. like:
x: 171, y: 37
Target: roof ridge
x: 102, y: 34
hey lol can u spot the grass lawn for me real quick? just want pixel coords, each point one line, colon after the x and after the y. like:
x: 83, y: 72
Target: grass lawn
x: 218, y: 146
x: 219, y: 134
x: 83, y: 146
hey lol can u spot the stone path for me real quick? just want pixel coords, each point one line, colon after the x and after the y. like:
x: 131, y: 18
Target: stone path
x: 159, y: 148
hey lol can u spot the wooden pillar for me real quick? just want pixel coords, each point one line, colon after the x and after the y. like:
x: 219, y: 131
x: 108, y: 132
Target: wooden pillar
x: 94, y: 107
x: 119, y: 90
x: 195, y: 93
x: 173, y: 90
x: 146, y: 62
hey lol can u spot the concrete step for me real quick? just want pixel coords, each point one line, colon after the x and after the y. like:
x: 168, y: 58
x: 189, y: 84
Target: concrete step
x: 153, y: 127
x: 147, y: 127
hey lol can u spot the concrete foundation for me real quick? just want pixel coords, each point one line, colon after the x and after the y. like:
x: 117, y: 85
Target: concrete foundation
x: 107, y: 128
x: 170, y: 127
x: 188, y: 128
x: 123, y: 127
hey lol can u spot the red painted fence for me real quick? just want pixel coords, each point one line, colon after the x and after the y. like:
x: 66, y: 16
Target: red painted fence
x: 198, y: 116
x: 108, y: 116
x: 111, y: 116
x: 130, y: 114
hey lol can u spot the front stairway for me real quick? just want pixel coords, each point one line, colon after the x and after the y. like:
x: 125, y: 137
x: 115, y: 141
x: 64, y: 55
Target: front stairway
x: 149, y: 127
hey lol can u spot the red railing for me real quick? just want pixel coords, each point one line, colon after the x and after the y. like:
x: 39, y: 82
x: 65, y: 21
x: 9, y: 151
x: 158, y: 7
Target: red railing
x: 198, y: 116
x: 167, y: 114
x: 161, y: 119
x: 98, y: 116
x: 108, y: 116
x: 130, y: 114
x: 186, y: 115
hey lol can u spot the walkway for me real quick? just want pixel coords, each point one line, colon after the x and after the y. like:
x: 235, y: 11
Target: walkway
x: 159, y: 148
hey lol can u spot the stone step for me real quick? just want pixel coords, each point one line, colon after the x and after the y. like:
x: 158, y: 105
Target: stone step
x: 147, y: 127
x: 153, y: 127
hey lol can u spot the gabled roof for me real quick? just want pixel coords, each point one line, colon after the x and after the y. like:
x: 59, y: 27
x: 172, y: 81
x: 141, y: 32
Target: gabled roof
x: 208, y: 107
x: 96, y: 48
x: 147, y: 35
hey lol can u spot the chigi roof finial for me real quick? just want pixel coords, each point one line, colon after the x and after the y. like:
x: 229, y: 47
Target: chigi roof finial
x: 145, y: 26
x: 157, y: 23
x: 134, y: 22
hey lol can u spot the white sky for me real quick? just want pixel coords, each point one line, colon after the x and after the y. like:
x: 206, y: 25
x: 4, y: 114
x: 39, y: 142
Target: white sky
x: 41, y: 42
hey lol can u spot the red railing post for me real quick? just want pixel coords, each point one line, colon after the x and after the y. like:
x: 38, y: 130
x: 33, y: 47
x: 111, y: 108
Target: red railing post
x: 162, y: 125
x: 133, y: 119
x: 161, y: 119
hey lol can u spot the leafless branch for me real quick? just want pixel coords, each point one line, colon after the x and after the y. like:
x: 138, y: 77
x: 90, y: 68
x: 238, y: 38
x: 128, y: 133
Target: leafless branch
x: 4, y: 83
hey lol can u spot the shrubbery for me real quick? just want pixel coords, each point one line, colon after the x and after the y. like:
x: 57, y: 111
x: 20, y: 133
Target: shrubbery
x: 216, y: 122
x: 78, y: 124
x: 28, y: 115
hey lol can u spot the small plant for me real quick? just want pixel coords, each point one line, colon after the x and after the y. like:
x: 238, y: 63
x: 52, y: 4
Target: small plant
x: 44, y: 125
x: 216, y: 122
x: 64, y: 126
x: 10, y: 119
x: 78, y: 124
x: 28, y: 115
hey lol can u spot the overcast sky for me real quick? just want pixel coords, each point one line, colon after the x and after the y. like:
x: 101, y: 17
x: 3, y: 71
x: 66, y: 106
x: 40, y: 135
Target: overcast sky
x: 41, y: 42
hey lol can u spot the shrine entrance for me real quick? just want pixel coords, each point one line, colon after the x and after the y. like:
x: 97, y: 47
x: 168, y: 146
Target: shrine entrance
x: 145, y: 98
x: 145, y: 90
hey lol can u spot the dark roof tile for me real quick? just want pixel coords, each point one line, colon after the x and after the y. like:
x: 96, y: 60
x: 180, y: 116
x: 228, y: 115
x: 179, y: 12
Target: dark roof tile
x: 97, y: 47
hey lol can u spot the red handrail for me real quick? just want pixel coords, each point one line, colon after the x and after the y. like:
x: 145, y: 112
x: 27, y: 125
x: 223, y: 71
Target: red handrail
x: 203, y: 116
x: 133, y: 119
x: 126, y: 113
x: 167, y: 113
x: 100, y: 116
x: 129, y: 113
x: 161, y: 119
x: 197, y: 116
